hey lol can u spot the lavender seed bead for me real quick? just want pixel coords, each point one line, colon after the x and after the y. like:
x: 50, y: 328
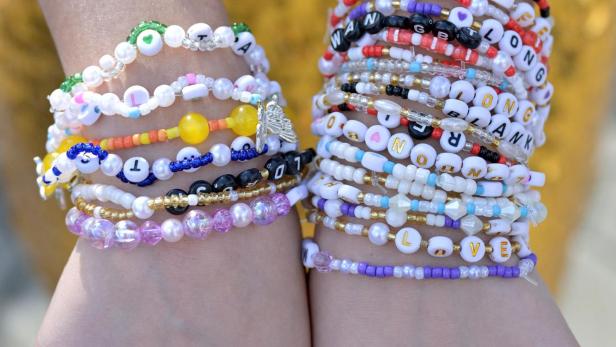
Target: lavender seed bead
x: 361, y: 269
x: 370, y: 271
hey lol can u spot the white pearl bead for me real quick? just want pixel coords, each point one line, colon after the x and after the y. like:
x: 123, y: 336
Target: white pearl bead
x: 225, y: 35
x: 106, y: 62
x: 222, y: 89
x: 59, y: 100
x: 92, y: 76
x: 439, y: 87
x: 112, y: 165
x: 160, y: 169
x: 125, y: 52
x: 221, y: 154
x: 241, y: 214
x: 377, y: 233
x: 395, y: 217
x: 172, y: 230
x: 174, y: 35
x: 141, y: 209
x: 108, y: 102
x: 165, y: 95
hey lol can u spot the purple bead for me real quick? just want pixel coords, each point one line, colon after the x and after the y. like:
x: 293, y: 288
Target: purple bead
x: 344, y: 208
x: 321, y: 261
x: 427, y: 272
x: 515, y: 272
x: 370, y: 271
x: 532, y: 257
x: 437, y: 272
x: 150, y: 233
x: 492, y: 270
x: 283, y: 205
x: 126, y: 235
x: 446, y: 272
x: 410, y: 7
x: 99, y: 231
x: 508, y: 272
x: 379, y: 272
x: 448, y: 222
x: 455, y: 273
x: 500, y: 270
x: 352, y: 210
x: 74, y: 221
x: 361, y: 268
x: 388, y: 271
x: 197, y: 224
x: 222, y: 220
x: 435, y: 10
x: 264, y: 211
x: 321, y: 204
x: 455, y: 224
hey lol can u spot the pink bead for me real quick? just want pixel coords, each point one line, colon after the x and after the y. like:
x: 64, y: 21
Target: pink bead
x: 126, y: 235
x: 321, y: 261
x: 191, y: 78
x: 99, y: 231
x: 263, y: 210
x: 74, y: 221
x: 222, y: 221
x: 283, y: 206
x: 197, y: 224
x: 150, y: 233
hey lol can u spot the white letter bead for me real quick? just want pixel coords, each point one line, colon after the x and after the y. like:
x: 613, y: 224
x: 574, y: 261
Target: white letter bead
x: 511, y: 43
x: 440, y: 246
x: 194, y: 91
x: 486, y: 97
x: 354, y: 130
x: 455, y: 108
x: 399, y: 145
x: 472, y: 249
x: 474, y: 167
x: 245, y: 42
x: 462, y: 90
x: 478, y: 116
x: 542, y: 95
x: 329, y: 190
x: 187, y: 153
x: 526, y: 59
x: 537, y: 179
x: 524, y: 14
x: 497, y: 172
x: 517, y: 133
x: 87, y: 163
x: 501, y: 249
x: 349, y: 193
x: 377, y: 137
x: 244, y: 142
x: 136, y: 169
x: 423, y: 155
x: 136, y: 95
x: 507, y: 104
x: 448, y: 162
x: 461, y: 17
x: 334, y: 123
x: 491, y: 30
x: 525, y: 113
x: 388, y: 119
x: 537, y: 75
x: 452, y: 142
x: 374, y: 161
x: 500, y: 126
x: 408, y: 240
x: 149, y: 42
x: 199, y: 32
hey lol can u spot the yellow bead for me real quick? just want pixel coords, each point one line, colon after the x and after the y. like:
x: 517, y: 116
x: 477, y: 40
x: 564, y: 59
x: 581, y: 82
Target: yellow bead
x: 243, y: 120
x: 173, y: 133
x: 194, y: 128
x: 144, y: 138
x: 48, y: 160
x: 49, y: 190
x: 70, y: 141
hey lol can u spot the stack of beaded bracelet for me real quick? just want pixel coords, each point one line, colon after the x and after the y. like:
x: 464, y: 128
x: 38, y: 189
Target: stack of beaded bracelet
x: 487, y: 86
x: 260, y: 125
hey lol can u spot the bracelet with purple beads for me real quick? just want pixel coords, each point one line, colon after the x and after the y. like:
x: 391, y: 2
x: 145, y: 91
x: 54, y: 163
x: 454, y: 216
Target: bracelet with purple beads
x: 322, y: 261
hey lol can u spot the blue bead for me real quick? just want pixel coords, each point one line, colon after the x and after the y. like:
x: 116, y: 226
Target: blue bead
x: 385, y: 202
x: 523, y: 211
x: 470, y: 208
x: 370, y: 64
x: 496, y: 210
x: 388, y: 167
x: 471, y: 73
x: 440, y: 208
x: 415, y: 67
x: 414, y: 205
x: 432, y: 180
x: 504, y: 85
x: 254, y: 99
x: 504, y: 188
x: 134, y: 113
x: 480, y: 189
x: 359, y: 155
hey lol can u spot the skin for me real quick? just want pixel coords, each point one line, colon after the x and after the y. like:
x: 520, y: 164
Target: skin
x: 246, y: 287
x: 351, y: 310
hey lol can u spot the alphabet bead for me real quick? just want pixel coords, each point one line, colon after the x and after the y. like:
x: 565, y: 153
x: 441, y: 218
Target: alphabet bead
x: 408, y: 240
x: 452, y: 142
x: 501, y: 249
x: 377, y: 137
x: 472, y: 249
x: 423, y: 155
x: 399, y: 146
x: 485, y: 97
x: 440, y: 246
x: 491, y: 31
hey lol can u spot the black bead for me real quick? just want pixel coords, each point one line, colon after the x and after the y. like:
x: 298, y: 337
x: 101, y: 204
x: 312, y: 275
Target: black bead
x: 420, y: 23
x: 249, y: 178
x: 294, y: 162
x: 224, y: 183
x: 418, y: 131
x: 276, y: 167
x: 200, y: 186
x: 444, y: 29
x: 397, y: 22
x: 468, y: 37
x: 372, y: 22
x: 338, y: 42
x: 307, y: 156
x: 179, y: 209
x: 353, y: 31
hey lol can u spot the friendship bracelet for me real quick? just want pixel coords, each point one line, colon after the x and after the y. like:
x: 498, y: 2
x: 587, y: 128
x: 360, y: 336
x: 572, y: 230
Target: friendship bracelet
x: 198, y: 196
x: 313, y: 257
x: 408, y: 241
x: 126, y: 234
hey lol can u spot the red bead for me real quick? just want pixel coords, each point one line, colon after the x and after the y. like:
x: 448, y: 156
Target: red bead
x: 404, y: 122
x: 510, y: 71
x: 426, y: 41
x: 349, y: 3
x: 502, y: 160
x: 334, y: 20
x: 492, y: 52
x: 437, y: 133
x: 328, y: 55
x: 465, y: 3
x: 475, y: 149
x: 372, y: 111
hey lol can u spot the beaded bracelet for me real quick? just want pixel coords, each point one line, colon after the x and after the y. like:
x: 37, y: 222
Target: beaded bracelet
x: 408, y: 241
x: 126, y: 234
x: 322, y: 261
x: 469, y: 224
x: 83, y: 193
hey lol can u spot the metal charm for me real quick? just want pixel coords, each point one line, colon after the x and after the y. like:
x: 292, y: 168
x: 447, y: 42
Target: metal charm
x: 273, y: 121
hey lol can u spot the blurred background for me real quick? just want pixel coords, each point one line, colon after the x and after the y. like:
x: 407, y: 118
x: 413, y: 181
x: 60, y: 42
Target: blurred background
x: 574, y: 245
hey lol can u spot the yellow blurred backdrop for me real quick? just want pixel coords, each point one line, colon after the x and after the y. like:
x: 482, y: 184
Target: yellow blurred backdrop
x: 292, y: 34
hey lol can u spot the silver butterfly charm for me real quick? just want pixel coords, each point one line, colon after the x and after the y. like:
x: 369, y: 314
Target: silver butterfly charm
x: 273, y: 121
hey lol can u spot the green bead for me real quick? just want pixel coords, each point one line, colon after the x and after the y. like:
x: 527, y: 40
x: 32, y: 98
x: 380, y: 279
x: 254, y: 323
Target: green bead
x: 240, y: 28
x: 70, y: 82
x: 154, y: 25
